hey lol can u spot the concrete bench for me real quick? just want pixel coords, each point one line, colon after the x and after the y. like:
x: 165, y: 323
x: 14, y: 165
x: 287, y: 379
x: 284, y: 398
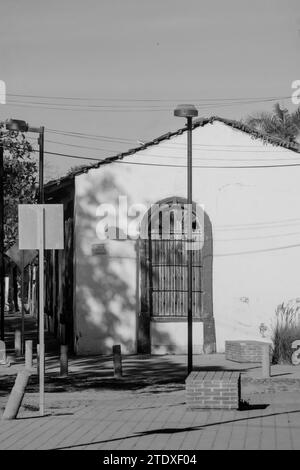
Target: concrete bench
x: 213, y: 389
x: 244, y: 351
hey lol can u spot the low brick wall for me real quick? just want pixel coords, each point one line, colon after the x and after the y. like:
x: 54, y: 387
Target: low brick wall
x: 244, y: 351
x: 213, y: 389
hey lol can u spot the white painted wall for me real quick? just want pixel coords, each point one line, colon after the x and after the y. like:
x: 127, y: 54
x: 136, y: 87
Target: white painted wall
x: 255, y: 215
x: 175, y: 334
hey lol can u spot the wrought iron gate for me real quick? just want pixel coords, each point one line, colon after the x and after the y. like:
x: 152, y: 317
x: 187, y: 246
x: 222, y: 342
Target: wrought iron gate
x: 164, y: 279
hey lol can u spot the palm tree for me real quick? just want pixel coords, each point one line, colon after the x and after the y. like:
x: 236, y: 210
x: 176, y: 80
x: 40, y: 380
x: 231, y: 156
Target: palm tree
x: 281, y: 124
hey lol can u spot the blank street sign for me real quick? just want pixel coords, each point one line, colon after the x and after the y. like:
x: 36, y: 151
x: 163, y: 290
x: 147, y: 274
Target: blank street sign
x: 28, y: 226
x: 41, y: 226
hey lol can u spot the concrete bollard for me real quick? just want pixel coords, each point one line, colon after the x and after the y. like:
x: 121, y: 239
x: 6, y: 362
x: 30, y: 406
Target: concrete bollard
x: 28, y: 354
x: 117, y: 357
x: 18, y: 345
x: 265, y: 361
x: 2, y: 353
x: 63, y: 360
x: 16, y: 395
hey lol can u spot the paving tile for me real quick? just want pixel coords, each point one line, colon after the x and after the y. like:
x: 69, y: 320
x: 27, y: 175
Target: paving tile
x: 283, y: 432
x: 54, y: 440
x: 268, y: 434
x: 75, y: 437
x: 29, y: 433
x: 237, y: 438
x: 10, y: 429
x: 101, y: 436
x: 42, y: 439
x: 154, y: 421
x: 224, y: 432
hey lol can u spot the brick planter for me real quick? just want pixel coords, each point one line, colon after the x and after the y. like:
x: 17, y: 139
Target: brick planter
x: 244, y: 351
x: 219, y: 389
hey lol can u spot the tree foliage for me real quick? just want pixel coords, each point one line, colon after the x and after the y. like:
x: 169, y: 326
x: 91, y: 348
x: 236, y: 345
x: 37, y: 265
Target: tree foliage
x: 20, y: 179
x: 280, y: 123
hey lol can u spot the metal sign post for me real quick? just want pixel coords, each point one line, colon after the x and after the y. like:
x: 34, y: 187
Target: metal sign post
x: 41, y: 228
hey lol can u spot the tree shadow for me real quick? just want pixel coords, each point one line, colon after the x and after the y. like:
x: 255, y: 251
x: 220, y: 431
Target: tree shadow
x: 48, y: 415
x: 173, y: 430
x: 107, y: 297
x: 97, y: 373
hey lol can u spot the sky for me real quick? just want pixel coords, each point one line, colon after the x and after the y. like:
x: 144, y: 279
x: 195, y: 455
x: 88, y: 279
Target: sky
x: 115, y: 69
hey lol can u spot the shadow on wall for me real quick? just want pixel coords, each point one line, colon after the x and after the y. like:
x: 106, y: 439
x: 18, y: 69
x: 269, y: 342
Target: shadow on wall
x: 107, y: 301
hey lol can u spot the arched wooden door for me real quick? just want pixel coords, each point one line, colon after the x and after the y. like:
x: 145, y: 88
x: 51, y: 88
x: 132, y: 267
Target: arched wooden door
x: 163, y: 256
x: 168, y: 279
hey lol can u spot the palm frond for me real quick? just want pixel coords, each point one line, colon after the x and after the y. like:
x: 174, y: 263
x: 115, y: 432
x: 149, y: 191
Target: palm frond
x: 279, y: 124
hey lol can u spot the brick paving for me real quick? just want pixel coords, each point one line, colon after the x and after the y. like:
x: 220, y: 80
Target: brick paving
x: 147, y: 409
x: 135, y: 420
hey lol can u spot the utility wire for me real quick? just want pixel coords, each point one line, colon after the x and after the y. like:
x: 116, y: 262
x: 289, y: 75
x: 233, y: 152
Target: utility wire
x: 165, y: 100
x: 84, y: 134
x: 110, y: 108
x: 195, y: 157
x: 121, y: 106
x: 211, y: 147
x: 178, y: 156
x: 110, y: 160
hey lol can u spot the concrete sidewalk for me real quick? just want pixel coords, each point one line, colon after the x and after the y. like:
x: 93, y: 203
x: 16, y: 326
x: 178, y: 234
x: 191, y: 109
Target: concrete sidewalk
x: 151, y: 419
x: 146, y: 409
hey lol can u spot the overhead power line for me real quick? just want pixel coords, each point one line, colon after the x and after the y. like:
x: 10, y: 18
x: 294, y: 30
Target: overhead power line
x: 211, y: 147
x: 178, y: 157
x: 223, y: 150
x: 152, y: 106
x: 89, y: 136
x: 227, y: 149
x: 120, y: 99
x: 108, y: 160
x: 183, y: 157
x: 126, y: 108
x: 111, y: 160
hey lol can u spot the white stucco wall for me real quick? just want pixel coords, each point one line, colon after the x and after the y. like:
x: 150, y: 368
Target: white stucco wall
x: 255, y: 216
x: 176, y: 334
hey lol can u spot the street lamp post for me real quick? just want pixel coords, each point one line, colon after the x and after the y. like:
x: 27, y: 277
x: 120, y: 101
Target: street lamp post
x: 189, y: 111
x: 41, y: 131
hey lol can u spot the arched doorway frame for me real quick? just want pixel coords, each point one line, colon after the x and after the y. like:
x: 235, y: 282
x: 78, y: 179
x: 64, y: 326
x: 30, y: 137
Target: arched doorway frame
x: 146, y: 308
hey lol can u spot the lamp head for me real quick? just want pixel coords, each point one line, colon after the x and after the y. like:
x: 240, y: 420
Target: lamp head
x: 17, y: 125
x: 185, y: 110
